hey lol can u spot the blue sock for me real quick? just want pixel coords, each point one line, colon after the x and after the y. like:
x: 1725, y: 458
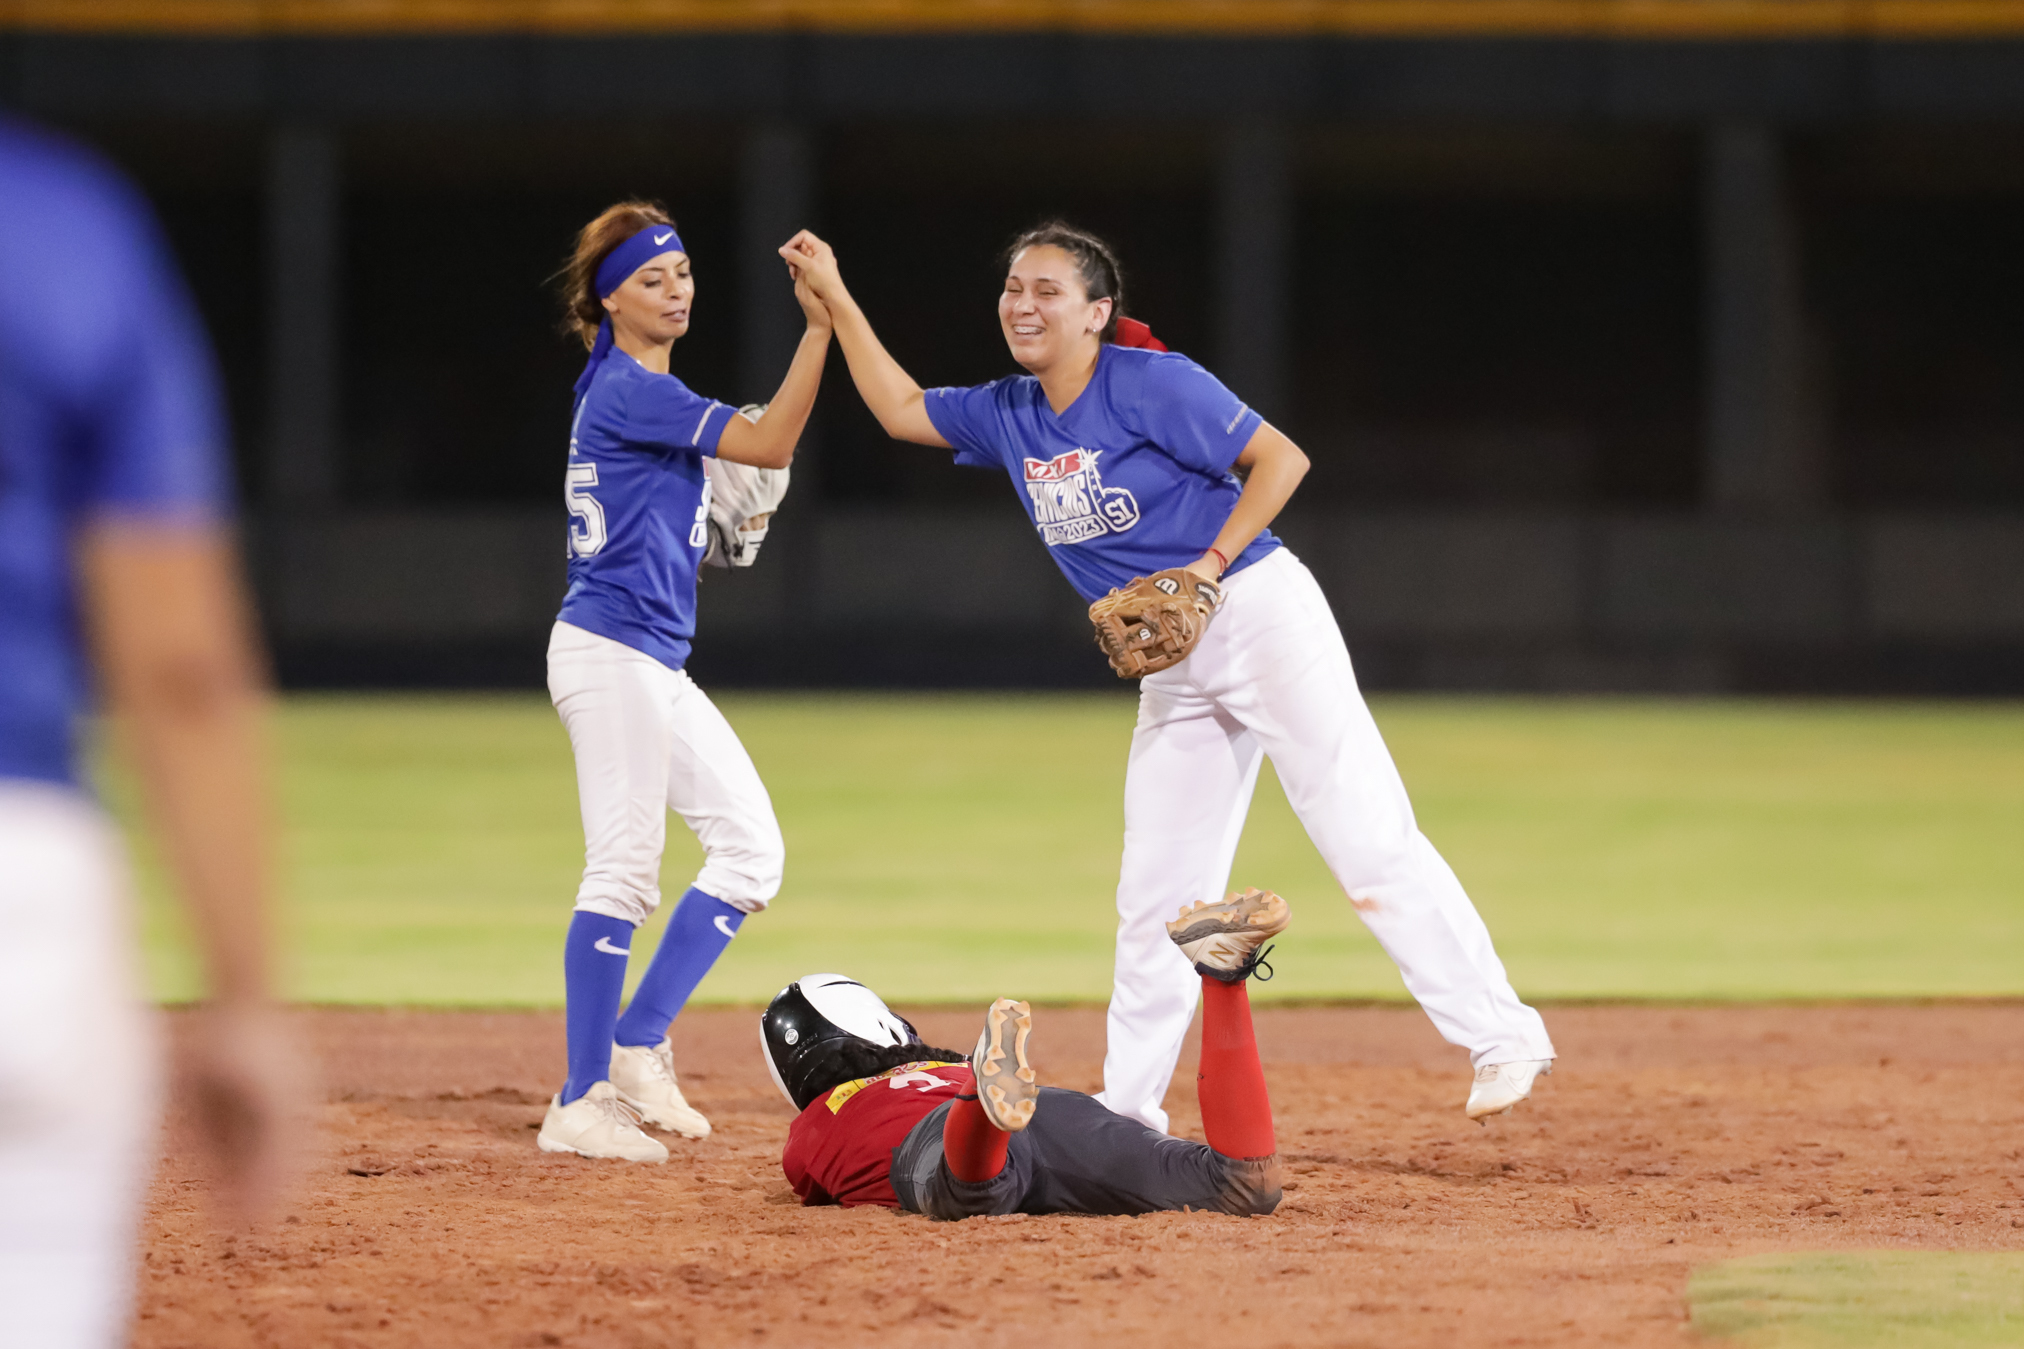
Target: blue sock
x: 698, y: 931
x: 593, y: 981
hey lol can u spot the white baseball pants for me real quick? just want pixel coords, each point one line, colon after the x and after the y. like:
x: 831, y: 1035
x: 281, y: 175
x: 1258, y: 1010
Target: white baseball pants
x: 79, y: 1079
x: 1272, y: 676
x: 648, y: 741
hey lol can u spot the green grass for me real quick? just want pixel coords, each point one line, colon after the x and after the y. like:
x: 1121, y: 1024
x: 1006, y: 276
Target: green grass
x: 952, y: 847
x: 1864, y: 1300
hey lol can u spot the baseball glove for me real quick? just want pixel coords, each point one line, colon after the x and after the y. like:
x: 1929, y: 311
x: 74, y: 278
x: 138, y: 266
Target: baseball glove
x: 1153, y: 623
x: 742, y: 502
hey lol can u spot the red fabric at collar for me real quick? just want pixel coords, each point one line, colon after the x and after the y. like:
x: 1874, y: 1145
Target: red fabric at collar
x: 1132, y: 333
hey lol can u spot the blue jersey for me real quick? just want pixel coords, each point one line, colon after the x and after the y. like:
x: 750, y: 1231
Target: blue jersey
x: 109, y: 409
x: 641, y: 506
x: 1133, y: 478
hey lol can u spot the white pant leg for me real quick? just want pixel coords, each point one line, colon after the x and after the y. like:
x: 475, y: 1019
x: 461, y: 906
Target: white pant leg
x: 1187, y: 791
x: 79, y: 1085
x: 616, y: 703
x: 646, y: 740
x: 1282, y: 669
x: 714, y: 787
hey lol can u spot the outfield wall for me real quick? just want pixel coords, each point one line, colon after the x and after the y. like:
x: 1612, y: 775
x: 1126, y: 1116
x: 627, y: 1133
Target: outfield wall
x: 1493, y: 599
x: 1636, y: 343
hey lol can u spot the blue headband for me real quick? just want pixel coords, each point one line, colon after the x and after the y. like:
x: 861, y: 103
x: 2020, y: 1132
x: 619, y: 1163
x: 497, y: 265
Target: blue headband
x: 619, y: 264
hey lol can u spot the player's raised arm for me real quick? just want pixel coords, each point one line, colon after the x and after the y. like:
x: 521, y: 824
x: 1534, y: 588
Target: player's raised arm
x: 770, y: 442
x: 889, y: 391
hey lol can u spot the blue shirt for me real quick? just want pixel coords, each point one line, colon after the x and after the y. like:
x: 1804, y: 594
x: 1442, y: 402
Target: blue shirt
x: 109, y: 408
x: 1133, y: 478
x: 640, y: 503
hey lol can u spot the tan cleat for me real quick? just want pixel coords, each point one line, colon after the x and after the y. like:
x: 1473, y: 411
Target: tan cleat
x: 1499, y: 1086
x: 598, y: 1124
x: 645, y: 1077
x: 1007, y: 1086
x: 1222, y: 937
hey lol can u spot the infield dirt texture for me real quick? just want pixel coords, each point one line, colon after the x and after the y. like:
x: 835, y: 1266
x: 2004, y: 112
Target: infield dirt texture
x: 1667, y: 1140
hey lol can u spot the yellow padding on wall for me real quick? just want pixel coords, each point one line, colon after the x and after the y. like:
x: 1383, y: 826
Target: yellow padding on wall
x: 1652, y: 19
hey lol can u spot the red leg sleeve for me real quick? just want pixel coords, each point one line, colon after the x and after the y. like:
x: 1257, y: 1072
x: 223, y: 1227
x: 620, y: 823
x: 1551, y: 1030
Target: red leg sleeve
x: 1236, y: 1112
x: 973, y: 1148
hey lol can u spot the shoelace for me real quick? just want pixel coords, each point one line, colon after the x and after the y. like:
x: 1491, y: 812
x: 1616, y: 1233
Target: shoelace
x: 1253, y: 963
x: 663, y: 1061
x: 619, y: 1113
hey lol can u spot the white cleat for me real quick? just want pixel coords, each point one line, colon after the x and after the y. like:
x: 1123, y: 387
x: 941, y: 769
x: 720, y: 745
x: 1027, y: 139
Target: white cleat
x: 1499, y: 1086
x: 598, y: 1124
x: 645, y: 1077
x: 1221, y: 938
x: 1007, y: 1086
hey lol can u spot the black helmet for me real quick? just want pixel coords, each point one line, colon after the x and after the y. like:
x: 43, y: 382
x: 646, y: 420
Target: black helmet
x: 811, y: 1019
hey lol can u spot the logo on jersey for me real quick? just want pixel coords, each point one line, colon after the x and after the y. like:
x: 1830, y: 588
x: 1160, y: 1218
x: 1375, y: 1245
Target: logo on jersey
x: 1070, y: 502
x: 919, y: 1081
x: 915, y: 1075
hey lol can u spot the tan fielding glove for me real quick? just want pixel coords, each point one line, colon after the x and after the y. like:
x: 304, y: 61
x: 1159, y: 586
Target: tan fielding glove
x: 1154, y: 622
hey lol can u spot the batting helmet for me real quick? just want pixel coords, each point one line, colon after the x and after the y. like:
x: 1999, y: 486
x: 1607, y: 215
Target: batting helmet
x: 811, y: 1020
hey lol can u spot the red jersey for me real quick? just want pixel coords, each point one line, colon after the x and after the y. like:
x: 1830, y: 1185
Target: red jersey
x: 840, y: 1149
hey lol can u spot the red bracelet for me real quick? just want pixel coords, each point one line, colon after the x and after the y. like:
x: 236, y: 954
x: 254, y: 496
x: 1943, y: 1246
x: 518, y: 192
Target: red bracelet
x: 1220, y: 558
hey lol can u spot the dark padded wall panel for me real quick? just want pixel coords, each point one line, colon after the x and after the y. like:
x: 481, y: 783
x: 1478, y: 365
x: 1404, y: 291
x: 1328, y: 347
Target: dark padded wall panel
x: 1799, y: 80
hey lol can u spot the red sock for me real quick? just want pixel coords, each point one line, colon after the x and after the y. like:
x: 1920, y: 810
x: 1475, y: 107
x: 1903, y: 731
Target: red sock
x: 973, y: 1148
x: 1236, y: 1112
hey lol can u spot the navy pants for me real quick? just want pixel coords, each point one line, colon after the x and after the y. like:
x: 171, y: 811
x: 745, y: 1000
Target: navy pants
x: 1078, y: 1157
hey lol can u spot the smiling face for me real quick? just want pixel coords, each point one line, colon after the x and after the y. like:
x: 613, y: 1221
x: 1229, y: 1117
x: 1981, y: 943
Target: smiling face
x: 652, y: 305
x: 1046, y: 311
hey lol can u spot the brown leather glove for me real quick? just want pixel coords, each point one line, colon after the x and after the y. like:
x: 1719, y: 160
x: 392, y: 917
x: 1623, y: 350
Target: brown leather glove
x: 1154, y: 622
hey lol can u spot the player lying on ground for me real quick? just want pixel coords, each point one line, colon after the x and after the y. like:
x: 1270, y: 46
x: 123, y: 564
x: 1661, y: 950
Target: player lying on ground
x: 645, y: 454
x: 886, y: 1119
x: 1122, y: 456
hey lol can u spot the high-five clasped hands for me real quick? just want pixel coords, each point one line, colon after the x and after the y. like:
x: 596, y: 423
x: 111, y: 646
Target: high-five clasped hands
x: 812, y: 264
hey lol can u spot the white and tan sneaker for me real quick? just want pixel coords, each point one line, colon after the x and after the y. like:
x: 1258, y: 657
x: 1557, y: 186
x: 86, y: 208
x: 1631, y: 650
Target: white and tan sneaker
x: 1007, y: 1086
x: 598, y: 1124
x: 1499, y: 1086
x: 1222, y: 937
x: 645, y: 1077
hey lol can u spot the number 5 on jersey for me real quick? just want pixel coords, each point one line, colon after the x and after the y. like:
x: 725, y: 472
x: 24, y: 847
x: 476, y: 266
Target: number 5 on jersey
x: 590, y: 538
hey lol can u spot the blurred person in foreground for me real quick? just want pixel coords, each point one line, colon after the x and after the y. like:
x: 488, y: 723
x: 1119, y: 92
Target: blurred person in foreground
x: 115, y: 544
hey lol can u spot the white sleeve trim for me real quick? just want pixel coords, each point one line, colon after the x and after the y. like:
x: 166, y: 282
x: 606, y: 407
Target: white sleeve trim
x: 696, y: 441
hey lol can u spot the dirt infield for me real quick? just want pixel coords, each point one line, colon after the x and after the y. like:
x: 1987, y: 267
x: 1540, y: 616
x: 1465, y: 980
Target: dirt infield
x: 1668, y: 1138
